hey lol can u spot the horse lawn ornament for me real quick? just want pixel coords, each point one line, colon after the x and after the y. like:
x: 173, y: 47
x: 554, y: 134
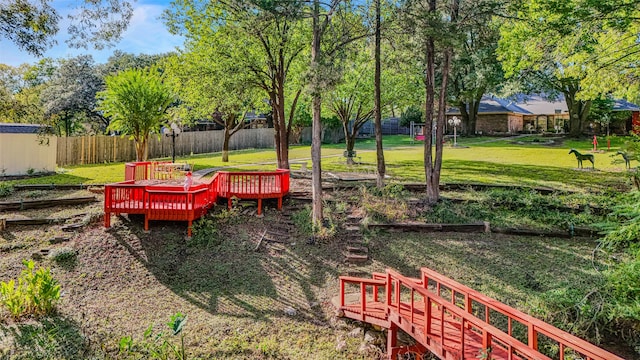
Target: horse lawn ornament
x: 581, y: 157
x: 627, y: 159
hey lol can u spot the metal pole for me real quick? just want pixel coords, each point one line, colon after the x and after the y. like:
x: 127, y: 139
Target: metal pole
x: 173, y: 147
x: 455, y: 138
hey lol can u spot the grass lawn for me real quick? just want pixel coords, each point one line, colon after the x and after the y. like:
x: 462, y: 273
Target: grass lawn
x: 485, y: 160
x: 238, y: 300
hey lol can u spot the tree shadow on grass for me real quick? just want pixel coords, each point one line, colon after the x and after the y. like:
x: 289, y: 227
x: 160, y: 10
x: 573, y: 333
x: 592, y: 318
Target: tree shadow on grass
x: 51, y: 338
x: 229, y: 277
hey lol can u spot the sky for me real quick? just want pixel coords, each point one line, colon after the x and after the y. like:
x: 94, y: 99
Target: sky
x: 146, y: 34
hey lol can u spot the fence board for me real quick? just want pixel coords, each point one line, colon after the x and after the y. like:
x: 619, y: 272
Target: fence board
x: 99, y: 149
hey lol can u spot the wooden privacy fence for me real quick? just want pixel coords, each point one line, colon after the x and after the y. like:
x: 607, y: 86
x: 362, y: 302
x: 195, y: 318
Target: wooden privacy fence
x: 98, y: 149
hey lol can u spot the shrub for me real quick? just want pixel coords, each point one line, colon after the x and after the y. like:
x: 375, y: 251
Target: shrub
x: 302, y: 221
x: 205, y: 233
x: 6, y: 189
x: 36, y: 292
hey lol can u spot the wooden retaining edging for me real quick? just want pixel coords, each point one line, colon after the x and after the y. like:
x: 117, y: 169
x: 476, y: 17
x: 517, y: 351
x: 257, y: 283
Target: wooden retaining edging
x: 484, y: 227
x: 39, y: 204
x: 481, y: 227
x: 55, y: 186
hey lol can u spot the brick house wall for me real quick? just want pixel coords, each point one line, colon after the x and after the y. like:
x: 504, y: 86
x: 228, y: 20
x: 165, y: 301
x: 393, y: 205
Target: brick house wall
x: 509, y: 123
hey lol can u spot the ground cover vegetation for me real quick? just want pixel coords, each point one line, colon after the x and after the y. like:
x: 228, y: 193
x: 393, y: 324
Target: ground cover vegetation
x: 235, y: 298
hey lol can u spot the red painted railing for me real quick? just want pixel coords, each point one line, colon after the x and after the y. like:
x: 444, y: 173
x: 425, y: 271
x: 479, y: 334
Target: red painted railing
x: 152, y: 170
x: 448, y: 327
x: 253, y: 185
x: 173, y: 202
x: 137, y: 171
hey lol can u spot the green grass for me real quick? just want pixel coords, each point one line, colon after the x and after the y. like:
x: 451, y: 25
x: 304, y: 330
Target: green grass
x: 483, y: 160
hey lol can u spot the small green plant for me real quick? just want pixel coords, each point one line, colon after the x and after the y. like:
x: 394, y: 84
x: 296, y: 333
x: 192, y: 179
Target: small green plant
x: 6, y: 189
x: 35, y: 293
x: 302, y: 220
x: 205, y: 233
x: 157, y: 346
x: 269, y: 348
x: 31, y: 171
x: 63, y: 255
x: 230, y: 216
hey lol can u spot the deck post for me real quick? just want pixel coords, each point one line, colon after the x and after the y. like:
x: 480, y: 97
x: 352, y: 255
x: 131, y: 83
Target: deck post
x: 533, y: 339
x: 107, y: 206
x: 392, y: 341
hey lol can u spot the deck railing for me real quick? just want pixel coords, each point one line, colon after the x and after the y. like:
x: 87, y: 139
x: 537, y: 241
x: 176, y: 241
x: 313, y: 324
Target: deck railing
x: 436, y: 308
x: 176, y: 204
x: 253, y: 185
x: 473, y: 299
x: 173, y: 202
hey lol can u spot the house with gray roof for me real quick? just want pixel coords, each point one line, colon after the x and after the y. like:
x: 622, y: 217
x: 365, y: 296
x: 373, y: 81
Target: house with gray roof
x: 532, y: 113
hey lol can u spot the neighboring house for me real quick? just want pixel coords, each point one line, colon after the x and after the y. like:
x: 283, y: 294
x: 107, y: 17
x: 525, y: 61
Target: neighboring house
x: 495, y: 115
x: 24, y: 150
x: 531, y: 113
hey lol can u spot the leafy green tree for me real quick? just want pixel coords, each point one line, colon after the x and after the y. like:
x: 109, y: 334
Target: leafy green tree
x: 69, y: 97
x: 475, y: 69
x: 434, y: 27
x: 19, y: 96
x: 582, y: 49
x: 32, y: 24
x: 120, y: 61
x: 213, y: 89
x: 412, y: 114
x: 136, y: 101
x: 265, y: 40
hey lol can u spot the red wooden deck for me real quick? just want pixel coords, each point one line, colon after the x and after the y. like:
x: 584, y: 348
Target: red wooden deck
x: 474, y: 325
x: 148, y: 190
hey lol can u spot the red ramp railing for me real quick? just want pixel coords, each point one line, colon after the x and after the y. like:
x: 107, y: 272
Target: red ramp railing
x: 452, y: 327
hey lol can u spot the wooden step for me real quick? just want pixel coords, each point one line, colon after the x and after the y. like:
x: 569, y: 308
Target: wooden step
x: 354, y: 219
x: 278, y: 233
x: 352, y: 228
x: 358, y: 249
x: 354, y: 258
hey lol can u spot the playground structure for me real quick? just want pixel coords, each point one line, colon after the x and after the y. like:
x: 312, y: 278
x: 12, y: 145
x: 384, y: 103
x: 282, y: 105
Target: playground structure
x: 453, y: 321
x: 156, y: 191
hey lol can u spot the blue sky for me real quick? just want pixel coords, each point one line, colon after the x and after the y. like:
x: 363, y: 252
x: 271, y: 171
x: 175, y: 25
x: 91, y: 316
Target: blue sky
x: 146, y: 34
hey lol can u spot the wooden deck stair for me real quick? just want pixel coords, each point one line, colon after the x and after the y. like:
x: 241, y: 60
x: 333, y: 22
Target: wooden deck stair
x: 453, y: 321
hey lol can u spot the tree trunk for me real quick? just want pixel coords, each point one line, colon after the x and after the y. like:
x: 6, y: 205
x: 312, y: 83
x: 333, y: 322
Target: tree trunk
x: 141, y: 147
x: 578, y: 110
x: 316, y: 139
x: 283, y: 161
x: 442, y: 108
x: 473, y: 114
x: 225, y: 145
x: 350, y: 139
x: 432, y: 191
x: 378, y: 107
x: 466, y: 120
